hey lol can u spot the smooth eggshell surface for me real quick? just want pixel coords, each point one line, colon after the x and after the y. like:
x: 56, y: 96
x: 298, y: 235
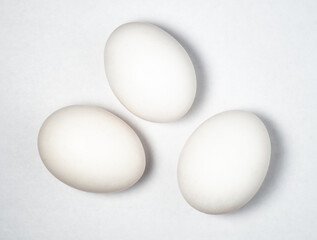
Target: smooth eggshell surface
x: 224, y: 162
x: 91, y: 149
x: 150, y: 72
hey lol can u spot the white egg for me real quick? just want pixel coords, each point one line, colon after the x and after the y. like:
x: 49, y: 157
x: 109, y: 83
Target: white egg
x: 150, y: 72
x: 91, y: 149
x: 224, y: 162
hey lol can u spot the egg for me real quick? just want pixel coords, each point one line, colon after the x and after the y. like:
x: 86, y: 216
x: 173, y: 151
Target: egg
x: 91, y: 149
x: 150, y: 72
x: 224, y: 162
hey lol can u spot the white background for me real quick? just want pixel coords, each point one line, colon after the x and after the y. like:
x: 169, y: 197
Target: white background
x: 259, y: 56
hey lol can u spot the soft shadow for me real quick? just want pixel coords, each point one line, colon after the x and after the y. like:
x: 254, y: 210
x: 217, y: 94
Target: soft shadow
x: 274, y: 171
x: 147, y: 149
x: 199, y: 69
x: 148, y: 155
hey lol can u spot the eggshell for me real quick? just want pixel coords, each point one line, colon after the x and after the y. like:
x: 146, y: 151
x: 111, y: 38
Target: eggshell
x: 150, y: 72
x: 91, y: 149
x: 224, y: 162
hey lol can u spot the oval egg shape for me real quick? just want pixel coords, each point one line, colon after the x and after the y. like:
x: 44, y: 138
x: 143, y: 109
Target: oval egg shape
x: 150, y: 72
x: 224, y: 162
x: 91, y: 149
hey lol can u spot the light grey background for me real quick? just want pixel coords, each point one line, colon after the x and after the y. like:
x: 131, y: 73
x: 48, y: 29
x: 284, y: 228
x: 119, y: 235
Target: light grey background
x: 259, y: 56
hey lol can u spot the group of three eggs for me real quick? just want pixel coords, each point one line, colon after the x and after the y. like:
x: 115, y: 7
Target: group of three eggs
x: 222, y: 164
